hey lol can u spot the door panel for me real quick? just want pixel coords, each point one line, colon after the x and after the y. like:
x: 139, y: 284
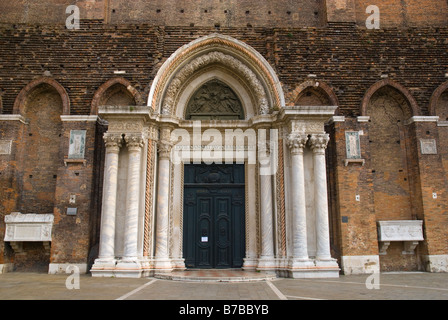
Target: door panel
x: 214, y: 223
x: 222, y: 232
x: 204, y: 227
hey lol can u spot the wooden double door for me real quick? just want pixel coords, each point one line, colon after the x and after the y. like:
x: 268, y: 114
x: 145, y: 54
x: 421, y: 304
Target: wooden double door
x: 214, y: 217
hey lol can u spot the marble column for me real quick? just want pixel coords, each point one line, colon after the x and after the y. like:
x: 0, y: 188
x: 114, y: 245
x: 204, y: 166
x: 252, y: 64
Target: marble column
x: 135, y: 143
x: 296, y: 143
x: 267, y: 258
x: 318, y: 144
x: 106, y: 256
x: 162, y: 260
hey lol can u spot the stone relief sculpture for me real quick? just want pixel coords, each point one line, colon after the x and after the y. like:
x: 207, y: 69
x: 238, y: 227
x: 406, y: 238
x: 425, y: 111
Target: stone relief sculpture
x: 214, y: 100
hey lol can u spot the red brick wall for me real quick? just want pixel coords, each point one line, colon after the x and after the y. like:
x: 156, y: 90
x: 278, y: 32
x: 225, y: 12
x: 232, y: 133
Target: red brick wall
x: 232, y: 13
x: 353, y: 223
x: 41, y: 156
x: 405, y: 13
x: 343, y: 56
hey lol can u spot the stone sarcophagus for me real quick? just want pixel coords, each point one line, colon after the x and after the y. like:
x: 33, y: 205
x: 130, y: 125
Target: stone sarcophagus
x: 408, y: 231
x: 28, y: 228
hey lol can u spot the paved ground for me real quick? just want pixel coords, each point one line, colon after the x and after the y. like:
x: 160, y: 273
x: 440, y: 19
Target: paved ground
x: 392, y: 286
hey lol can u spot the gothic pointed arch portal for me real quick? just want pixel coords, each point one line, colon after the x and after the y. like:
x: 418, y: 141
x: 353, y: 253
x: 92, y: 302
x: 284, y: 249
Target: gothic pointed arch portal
x: 215, y: 101
x: 221, y: 57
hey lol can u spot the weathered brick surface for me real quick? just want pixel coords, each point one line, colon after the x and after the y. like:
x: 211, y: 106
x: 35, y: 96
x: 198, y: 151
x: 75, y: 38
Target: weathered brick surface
x: 348, y: 59
x: 230, y: 13
x: 138, y: 36
x: 75, y: 179
x: 353, y: 222
x: 405, y: 13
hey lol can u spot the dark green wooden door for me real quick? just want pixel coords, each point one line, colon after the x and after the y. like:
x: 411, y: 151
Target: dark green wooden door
x: 213, y: 231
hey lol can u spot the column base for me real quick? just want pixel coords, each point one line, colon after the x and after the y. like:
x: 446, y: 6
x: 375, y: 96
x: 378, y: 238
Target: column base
x: 163, y: 265
x: 128, y: 269
x: 267, y: 264
x: 310, y: 268
x: 250, y: 264
x: 132, y: 268
x: 298, y: 263
x: 328, y: 268
x: 103, y: 268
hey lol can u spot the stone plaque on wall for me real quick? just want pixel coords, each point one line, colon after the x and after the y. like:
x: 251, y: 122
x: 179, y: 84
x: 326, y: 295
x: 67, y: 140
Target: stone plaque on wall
x: 5, y: 146
x: 400, y: 230
x: 77, y: 144
x: 428, y: 146
x: 28, y: 227
x: 352, y: 145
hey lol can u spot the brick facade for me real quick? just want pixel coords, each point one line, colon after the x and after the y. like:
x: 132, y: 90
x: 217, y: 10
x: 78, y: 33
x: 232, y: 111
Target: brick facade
x: 322, y: 54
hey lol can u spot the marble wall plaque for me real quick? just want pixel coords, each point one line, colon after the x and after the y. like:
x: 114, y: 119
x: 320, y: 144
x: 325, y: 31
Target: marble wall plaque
x: 5, y: 146
x: 352, y: 145
x: 28, y: 227
x: 77, y: 144
x: 400, y: 230
x: 428, y: 146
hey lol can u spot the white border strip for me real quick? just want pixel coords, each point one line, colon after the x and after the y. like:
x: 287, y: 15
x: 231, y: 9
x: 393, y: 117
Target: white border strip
x: 127, y: 295
x: 276, y: 291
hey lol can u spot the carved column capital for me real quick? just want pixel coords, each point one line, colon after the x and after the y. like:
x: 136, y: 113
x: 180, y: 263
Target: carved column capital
x: 113, y: 142
x: 134, y: 142
x: 319, y: 142
x: 164, y: 149
x: 296, y: 142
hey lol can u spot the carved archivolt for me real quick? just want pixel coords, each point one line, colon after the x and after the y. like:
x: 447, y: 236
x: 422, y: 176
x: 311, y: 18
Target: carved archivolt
x: 229, y: 62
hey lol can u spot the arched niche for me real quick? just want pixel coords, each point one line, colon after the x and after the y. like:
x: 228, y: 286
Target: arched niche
x: 116, y: 92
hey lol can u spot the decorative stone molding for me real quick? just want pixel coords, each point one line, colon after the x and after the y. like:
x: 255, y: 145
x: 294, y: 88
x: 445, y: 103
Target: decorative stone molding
x: 421, y: 119
x: 13, y: 117
x: 125, y: 126
x: 215, y: 57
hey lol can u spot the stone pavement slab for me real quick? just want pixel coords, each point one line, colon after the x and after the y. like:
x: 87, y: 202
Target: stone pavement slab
x: 388, y: 286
